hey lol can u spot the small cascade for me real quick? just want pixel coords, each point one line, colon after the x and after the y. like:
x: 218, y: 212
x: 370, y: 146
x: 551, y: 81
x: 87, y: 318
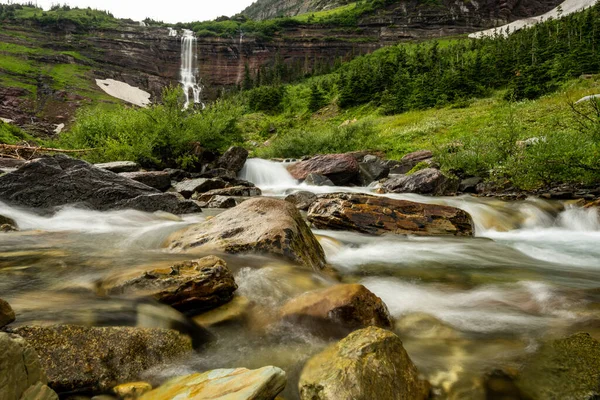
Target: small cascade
x: 264, y: 173
x: 172, y: 32
x: 189, y: 68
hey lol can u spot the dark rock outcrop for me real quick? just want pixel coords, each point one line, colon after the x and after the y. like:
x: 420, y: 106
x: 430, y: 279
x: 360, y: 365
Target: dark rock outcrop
x: 221, y: 202
x: 302, y: 199
x: 233, y: 159
x: 157, y: 179
x: 168, y: 202
x: 318, y: 180
x: 259, y: 225
x: 469, y: 185
x: 372, y: 169
x: 410, y: 160
x: 428, y: 181
x: 339, y: 168
x: 337, y: 310
x: 84, y: 359
x: 368, y: 364
x: 200, y: 185
x: 7, y: 224
x: 7, y: 315
x: 21, y: 375
x: 191, y: 286
x: 378, y: 215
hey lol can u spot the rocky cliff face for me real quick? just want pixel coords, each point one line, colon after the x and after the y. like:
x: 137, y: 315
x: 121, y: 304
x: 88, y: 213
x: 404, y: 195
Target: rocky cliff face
x: 265, y: 9
x: 149, y: 58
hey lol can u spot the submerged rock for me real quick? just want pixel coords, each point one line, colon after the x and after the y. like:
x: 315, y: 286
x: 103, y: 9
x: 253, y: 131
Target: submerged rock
x: 233, y: 159
x: 340, y: 168
x: 378, y: 215
x: 302, y: 199
x: 188, y: 187
x: 259, y: 225
x: 429, y: 181
x: 195, y: 286
x: 337, y: 310
x: 157, y: 179
x: 368, y: 364
x: 7, y: 315
x: 84, y: 359
x: 119, y: 166
x: 233, y: 312
x: 21, y: 375
x: 223, y: 384
x: 167, y: 202
x: 132, y: 390
x: 563, y: 369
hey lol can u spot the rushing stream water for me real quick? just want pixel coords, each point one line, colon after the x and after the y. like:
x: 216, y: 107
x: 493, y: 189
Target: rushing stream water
x: 463, y: 306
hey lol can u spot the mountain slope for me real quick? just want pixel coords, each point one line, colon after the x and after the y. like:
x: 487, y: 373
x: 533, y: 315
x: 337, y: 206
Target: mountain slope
x: 265, y: 9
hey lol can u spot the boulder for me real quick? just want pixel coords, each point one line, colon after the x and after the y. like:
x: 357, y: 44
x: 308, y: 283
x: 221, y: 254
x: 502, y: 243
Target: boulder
x: 368, y: 364
x: 233, y: 159
x: 429, y: 181
x: 7, y: 224
x: 195, y: 286
x: 168, y: 202
x: 59, y: 180
x: 119, y: 166
x: 410, y: 160
x: 221, y: 202
x: 302, y: 199
x: 223, y: 384
x: 563, y: 369
x: 237, y: 191
x: 188, y: 187
x: 235, y: 311
x: 85, y: 359
x: 372, y: 169
x: 340, y: 168
x: 337, y: 310
x: 378, y: 215
x: 157, y: 179
x: 259, y: 225
x: 21, y: 375
x: 132, y: 390
x: 318, y: 180
x: 469, y: 185
x: 7, y: 315
x: 177, y: 175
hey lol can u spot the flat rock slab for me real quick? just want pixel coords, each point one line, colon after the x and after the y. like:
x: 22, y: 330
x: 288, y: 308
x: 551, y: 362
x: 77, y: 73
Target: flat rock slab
x: 378, y: 215
x: 259, y: 225
x: 188, y: 187
x: 223, y: 384
x: 157, y: 179
x: 84, y: 359
x: 119, y: 166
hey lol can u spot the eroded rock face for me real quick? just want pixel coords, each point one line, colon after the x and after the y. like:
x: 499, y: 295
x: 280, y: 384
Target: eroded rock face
x: 84, y: 359
x: 191, y: 286
x: 563, y: 369
x: 7, y: 315
x: 157, y: 179
x: 259, y: 225
x: 59, y: 180
x: 378, y: 215
x: 368, y: 364
x: 337, y: 310
x: 340, y: 168
x: 223, y: 384
x: 233, y: 159
x: 21, y: 375
x: 429, y: 181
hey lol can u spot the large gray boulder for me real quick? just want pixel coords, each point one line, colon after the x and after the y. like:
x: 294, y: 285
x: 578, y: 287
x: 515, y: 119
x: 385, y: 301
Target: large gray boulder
x: 84, y: 359
x: 21, y: 375
x: 258, y: 225
x: 233, y: 159
x: 368, y: 364
x: 428, y: 181
x: 160, y: 180
x: 55, y: 181
x: 188, y: 187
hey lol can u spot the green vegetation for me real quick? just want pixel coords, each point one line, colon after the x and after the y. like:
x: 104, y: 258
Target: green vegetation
x: 163, y: 135
x: 11, y: 134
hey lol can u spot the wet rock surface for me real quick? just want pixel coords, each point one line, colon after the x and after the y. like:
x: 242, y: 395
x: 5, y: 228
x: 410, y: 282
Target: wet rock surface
x: 233, y: 159
x: 236, y: 191
x: 221, y: 202
x: 191, y: 286
x: 368, y: 364
x: 339, y: 168
x: 7, y: 315
x: 302, y: 199
x: 157, y: 179
x: 429, y: 181
x: 337, y: 310
x: 7, y: 224
x: 21, y: 375
x: 188, y: 187
x: 313, y: 179
x: 259, y: 225
x: 223, y: 384
x: 94, y: 360
x: 168, y: 202
x: 379, y: 215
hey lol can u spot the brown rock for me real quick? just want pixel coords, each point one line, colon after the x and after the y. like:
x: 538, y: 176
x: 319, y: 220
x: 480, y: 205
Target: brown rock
x: 337, y: 310
x: 195, y: 286
x: 340, y: 168
x: 259, y: 225
x: 378, y: 215
x: 7, y: 315
x: 84, y: 359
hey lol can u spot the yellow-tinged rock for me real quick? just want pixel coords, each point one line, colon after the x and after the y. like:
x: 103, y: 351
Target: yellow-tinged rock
x: 132, y: 391
x: 233, y: 312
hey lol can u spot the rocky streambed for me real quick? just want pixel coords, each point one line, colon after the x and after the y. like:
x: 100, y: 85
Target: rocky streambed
x: 130, y: 284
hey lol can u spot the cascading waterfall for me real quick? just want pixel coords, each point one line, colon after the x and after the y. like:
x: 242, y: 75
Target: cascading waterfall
x: 189, y: 68
x: 267, y: 174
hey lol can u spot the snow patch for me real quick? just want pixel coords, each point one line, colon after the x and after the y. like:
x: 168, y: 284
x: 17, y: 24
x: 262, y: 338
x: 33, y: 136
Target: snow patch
x: 125, y: 92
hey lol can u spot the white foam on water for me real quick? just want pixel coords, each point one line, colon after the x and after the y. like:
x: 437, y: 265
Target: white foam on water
x: 189, y: 68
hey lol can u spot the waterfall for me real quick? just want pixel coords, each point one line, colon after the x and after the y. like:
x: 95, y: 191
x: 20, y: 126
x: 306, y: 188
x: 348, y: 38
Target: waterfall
x: 264, y: 173
x: 189, y: 67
